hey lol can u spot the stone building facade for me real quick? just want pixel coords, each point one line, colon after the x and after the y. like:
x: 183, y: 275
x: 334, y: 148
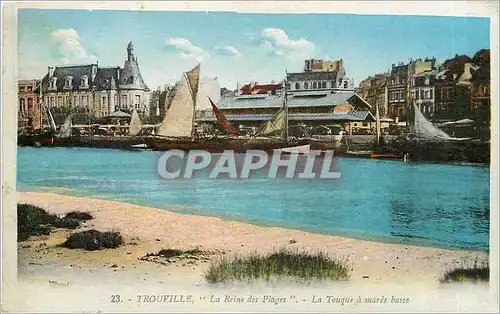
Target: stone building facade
x: 320, y: 75
x: 99, y: 90
x: 422, y: 92
x: 374, y: 91
x: 29, y: 110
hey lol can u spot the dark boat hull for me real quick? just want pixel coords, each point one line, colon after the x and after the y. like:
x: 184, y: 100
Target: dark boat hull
x: 218, y: 145
x: 36, y: 139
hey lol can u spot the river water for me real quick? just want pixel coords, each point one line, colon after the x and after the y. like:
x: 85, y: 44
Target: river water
x: 390, y: 201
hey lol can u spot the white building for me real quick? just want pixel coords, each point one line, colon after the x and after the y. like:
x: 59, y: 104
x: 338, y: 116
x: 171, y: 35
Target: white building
x: 100, y: 90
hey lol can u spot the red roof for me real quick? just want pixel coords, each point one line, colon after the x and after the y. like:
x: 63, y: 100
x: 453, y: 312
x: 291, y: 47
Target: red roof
x: 248, y: 89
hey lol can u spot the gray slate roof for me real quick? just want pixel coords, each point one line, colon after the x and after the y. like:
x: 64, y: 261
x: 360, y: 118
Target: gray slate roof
x: 343, y: 117
x: 312, y: 76
x: 296, y: 100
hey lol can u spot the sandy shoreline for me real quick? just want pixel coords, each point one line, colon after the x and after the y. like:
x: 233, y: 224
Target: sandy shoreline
x: 148, y: 230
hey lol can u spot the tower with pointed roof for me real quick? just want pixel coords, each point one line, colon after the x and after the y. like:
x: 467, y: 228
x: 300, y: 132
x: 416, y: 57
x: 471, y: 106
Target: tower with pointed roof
x: 100, y: 90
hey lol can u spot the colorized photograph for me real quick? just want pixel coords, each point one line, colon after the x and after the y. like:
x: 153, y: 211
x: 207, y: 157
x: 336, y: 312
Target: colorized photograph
x: 218, y: 150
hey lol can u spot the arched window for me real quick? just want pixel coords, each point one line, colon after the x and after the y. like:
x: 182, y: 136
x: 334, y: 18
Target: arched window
x: 306, y: 85
x: 297, y: 85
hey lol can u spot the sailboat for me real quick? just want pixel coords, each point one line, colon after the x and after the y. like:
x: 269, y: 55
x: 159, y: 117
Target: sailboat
x: 427, y: 142
x: 273, y: 134
x: 177, y: 130
x: 135, y: 125
x: 65, y: 130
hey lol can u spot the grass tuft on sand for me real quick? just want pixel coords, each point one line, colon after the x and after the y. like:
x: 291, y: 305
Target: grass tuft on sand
x: 168, y: 253
x: 467, y: 274
x: 283, y: 264
x: 78, y: 215
x: 92, y: 240
x: 35, y: 221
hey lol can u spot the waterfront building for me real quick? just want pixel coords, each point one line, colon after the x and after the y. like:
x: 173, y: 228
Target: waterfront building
x: 397, y: 92
x: 100, y: 90
x: 480, y: 104
x: 451, y: 98
x: 311, y: 109
x: 422, y: 92
x: 399, y: 85
x: 374, y: 91
x: 29, y: 110
x: 320, y: 75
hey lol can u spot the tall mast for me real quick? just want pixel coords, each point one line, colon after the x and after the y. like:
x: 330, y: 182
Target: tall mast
x: 285, y: 103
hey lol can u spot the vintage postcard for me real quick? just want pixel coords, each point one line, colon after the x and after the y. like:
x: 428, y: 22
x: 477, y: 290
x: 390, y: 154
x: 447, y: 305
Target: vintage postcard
x: 250, y: 156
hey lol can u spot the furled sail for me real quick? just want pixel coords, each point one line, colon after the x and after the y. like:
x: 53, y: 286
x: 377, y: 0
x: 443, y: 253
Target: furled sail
x: 425, y: 130
x: 276, y: 126
x: 179, y: 114
x: 65, y: 130
x: 135, y: 124
x: 223, y: 122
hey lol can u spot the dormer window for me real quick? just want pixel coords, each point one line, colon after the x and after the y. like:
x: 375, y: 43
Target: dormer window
x: 53, y: 83
x: 84, y: 83
x: 68, y: 82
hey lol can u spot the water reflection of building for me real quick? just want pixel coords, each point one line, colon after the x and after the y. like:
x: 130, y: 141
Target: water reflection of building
x: 29, y: 112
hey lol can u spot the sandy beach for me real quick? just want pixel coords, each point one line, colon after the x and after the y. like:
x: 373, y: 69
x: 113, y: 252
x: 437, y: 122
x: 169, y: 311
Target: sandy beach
x: 148, y: 230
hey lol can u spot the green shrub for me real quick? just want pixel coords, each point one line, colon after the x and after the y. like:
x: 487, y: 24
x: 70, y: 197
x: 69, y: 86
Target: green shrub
x: 79, y: 215
x: 33, y: 221
x: 278, y: 265
x: 92, y: 240
x: 66, y: 223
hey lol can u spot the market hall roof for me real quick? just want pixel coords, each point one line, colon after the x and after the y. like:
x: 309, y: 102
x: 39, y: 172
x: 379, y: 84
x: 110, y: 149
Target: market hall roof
x: 305, y: 99
x: 312, y: 76
x: 356, y: 116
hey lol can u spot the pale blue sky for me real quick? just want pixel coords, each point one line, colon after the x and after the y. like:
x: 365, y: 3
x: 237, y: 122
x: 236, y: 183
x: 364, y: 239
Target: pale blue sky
x: 238, y: 47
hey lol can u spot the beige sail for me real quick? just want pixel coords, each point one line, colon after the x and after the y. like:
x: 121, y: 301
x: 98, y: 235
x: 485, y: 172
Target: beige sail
x: 275, y: 126
x: 179, y: 114
x: 425, y: 130
x: 65, y: 130
x: 135, y: 124
x: 193, y: 78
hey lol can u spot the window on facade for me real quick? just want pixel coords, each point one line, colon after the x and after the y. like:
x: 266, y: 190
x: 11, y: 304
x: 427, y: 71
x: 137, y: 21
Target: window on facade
x: 306, y: 85
x: 53, y: 83
x: 68, y: 82
x: 75, y: 98
x: 315, y: 85
x: 416, y: 95
x: 431, y: 94
x: 421, y: 94
x: 137, y: 101
x: 84, y: 81
x: 333, y: 84
x: 59, y: 101
x: 427, y: 94
x: 297, y: 86
x: 345, y: 84
x: 68, y: 100
x: 124, y: 101
x: 323, y: 85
